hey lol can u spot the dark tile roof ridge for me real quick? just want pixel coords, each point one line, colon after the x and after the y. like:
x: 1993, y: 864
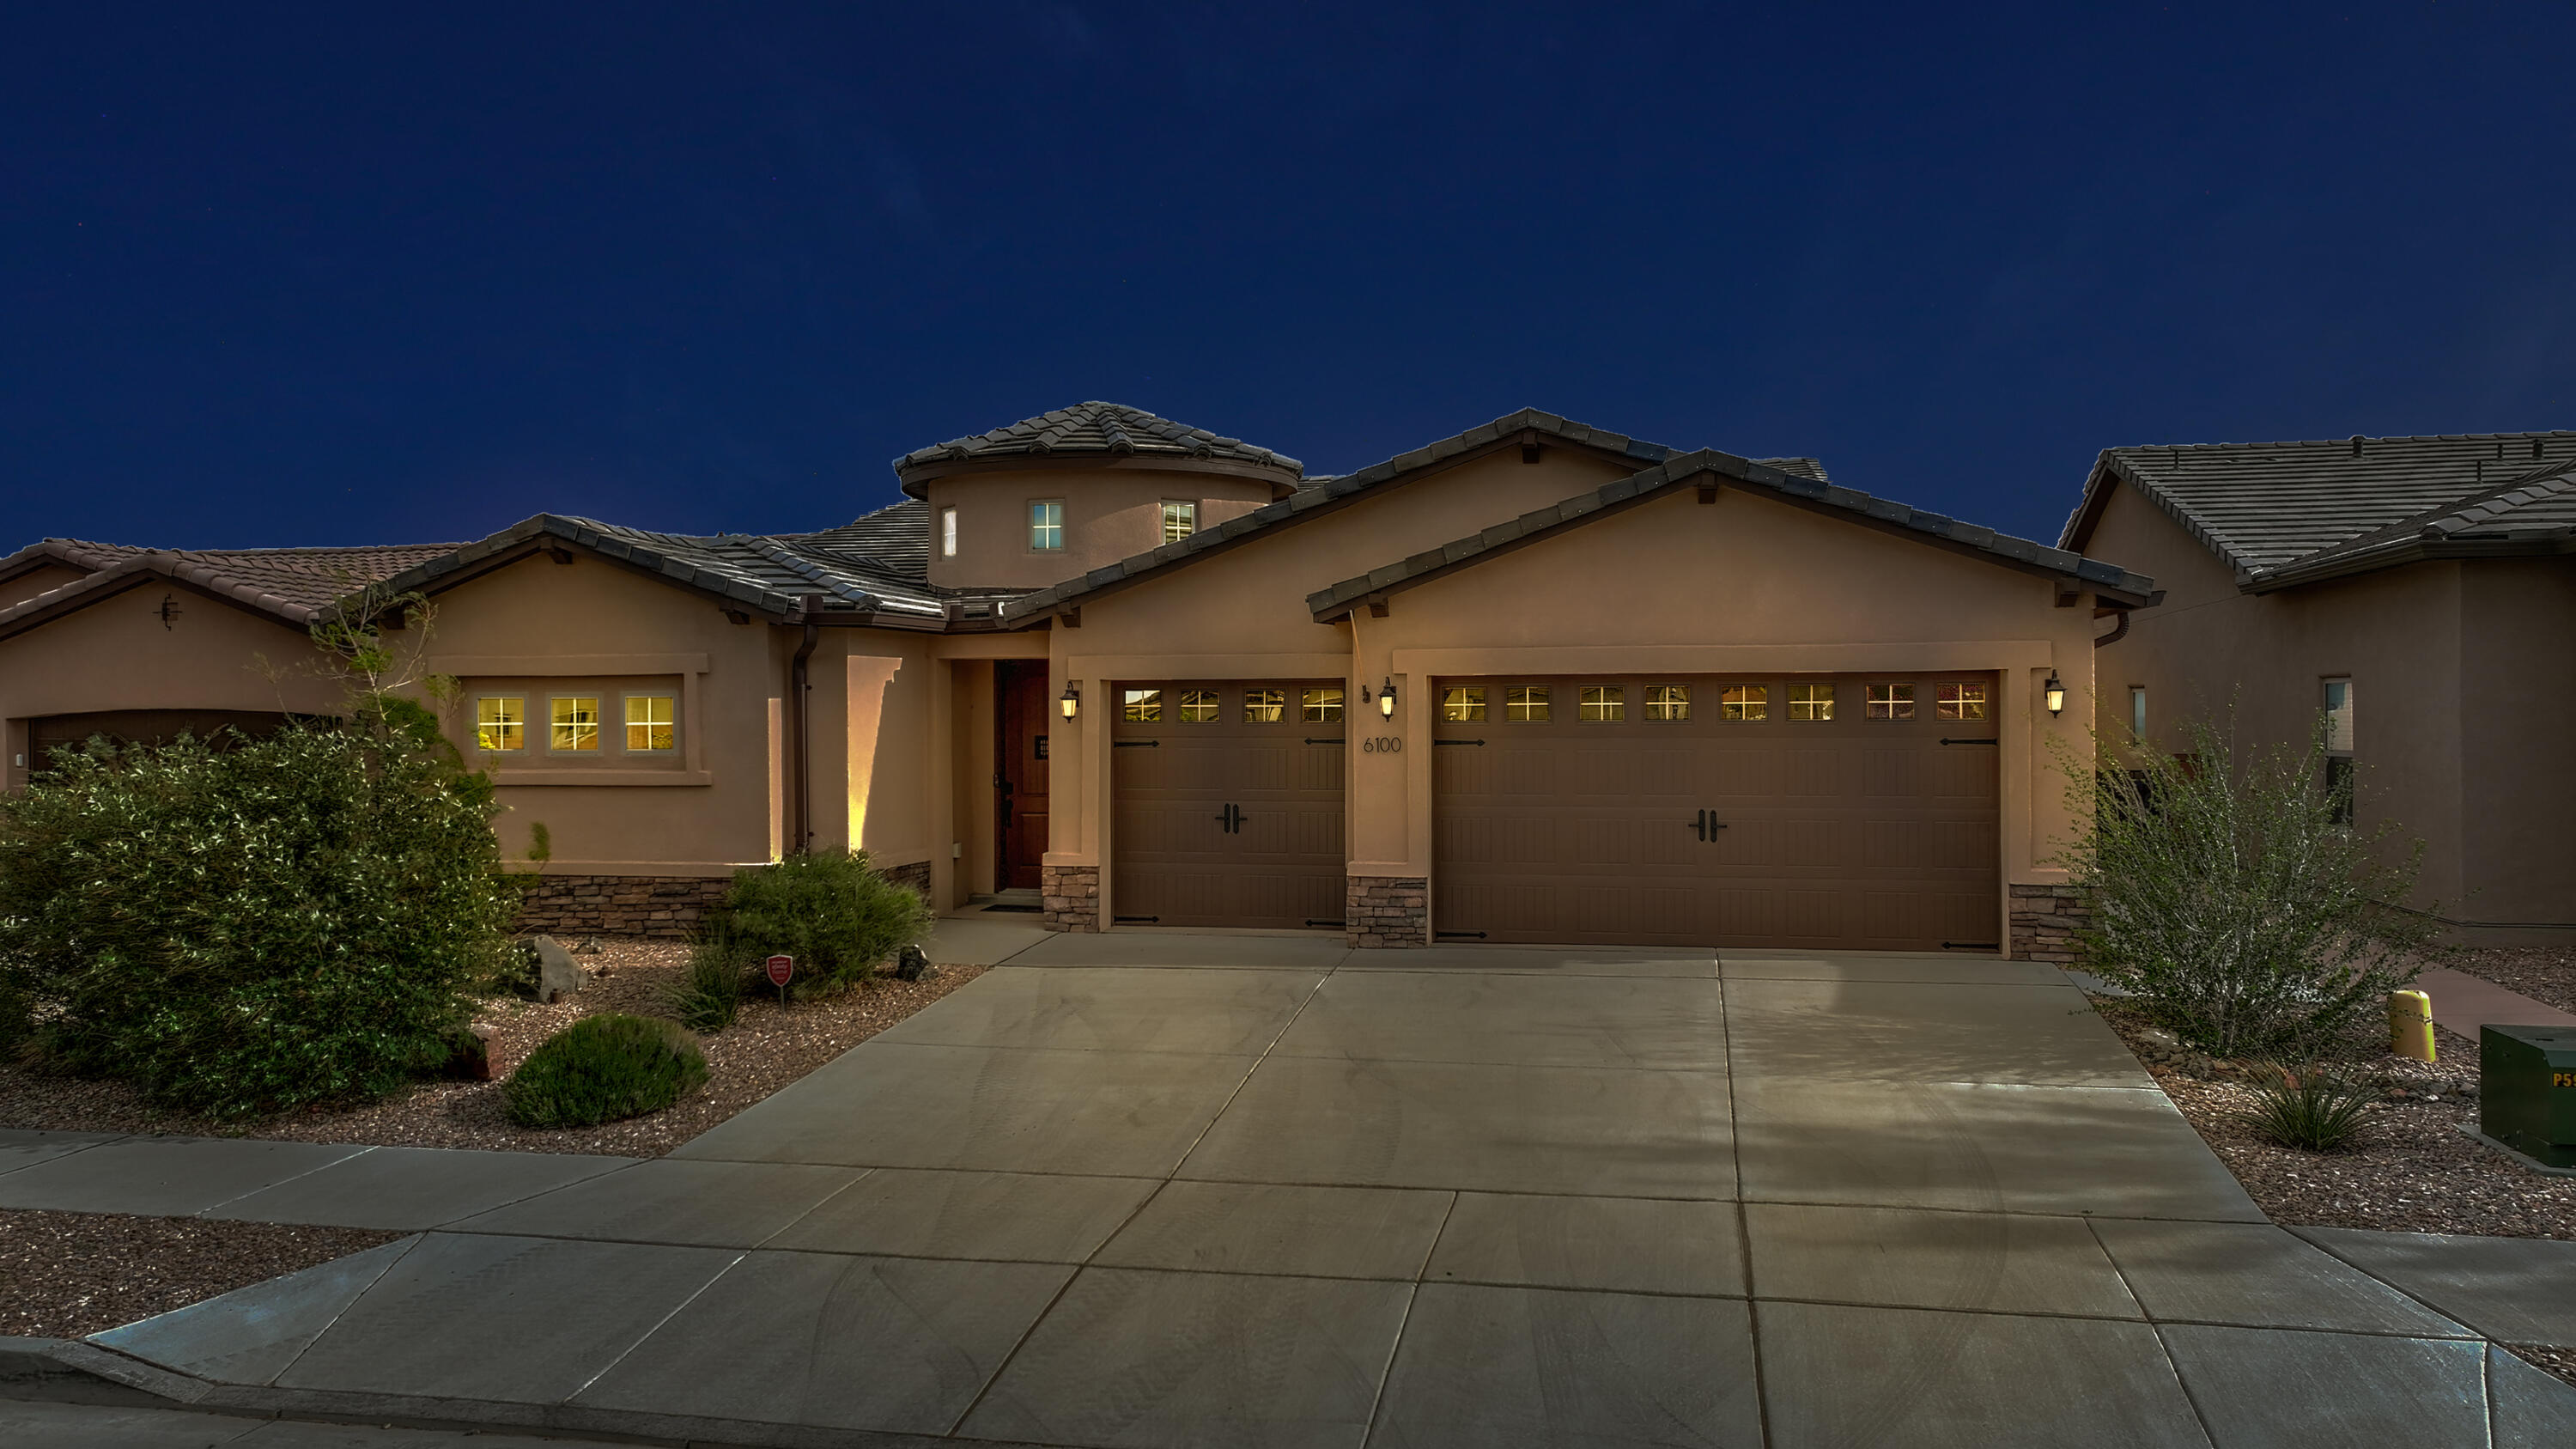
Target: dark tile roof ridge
x: 1321, y: 491
x: 1096, y: 427
x: 1672, y: 471
x: 2544, y: 434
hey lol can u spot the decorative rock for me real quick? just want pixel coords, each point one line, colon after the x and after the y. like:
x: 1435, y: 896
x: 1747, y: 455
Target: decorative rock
x: 913, y: 964
x: 558, y: 975
x: 589, y: 946
x: 473, y: 1059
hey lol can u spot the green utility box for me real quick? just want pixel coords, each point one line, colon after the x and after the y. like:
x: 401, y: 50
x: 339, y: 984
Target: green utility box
x: 2527, y: 1090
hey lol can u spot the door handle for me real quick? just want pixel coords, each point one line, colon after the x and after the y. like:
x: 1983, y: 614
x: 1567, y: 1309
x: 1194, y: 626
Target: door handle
x: 1231, y: 817
x: 1699, y: 826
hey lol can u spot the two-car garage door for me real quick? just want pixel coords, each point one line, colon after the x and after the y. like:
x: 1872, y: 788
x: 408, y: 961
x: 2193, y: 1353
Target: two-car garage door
x: 1818, y: 811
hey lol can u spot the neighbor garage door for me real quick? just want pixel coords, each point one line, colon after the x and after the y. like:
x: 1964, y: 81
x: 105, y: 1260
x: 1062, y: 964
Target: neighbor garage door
x: 1227, y: 804
x: 1841, y: 811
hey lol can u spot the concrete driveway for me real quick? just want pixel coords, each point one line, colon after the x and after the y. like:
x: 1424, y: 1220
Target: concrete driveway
x: 1164, y: 1189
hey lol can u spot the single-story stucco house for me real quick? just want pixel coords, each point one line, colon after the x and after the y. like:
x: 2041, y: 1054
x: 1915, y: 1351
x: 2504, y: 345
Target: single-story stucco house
x: 2418, y: 593
x: 1536, y: 682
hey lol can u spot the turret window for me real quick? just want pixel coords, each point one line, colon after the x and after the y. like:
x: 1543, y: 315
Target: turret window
x: 1046, y: 526
x: 1180, y: 520
x: 948, y: 533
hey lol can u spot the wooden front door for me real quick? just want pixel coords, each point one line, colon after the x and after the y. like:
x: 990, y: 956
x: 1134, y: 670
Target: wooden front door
x: 1818, y: 811
x: 1023, y: 712
x: 1227, y: 803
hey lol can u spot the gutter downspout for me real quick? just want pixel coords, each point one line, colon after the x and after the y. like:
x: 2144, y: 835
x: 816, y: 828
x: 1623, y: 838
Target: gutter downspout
x: 801, y: 810
x: 2118, y: 632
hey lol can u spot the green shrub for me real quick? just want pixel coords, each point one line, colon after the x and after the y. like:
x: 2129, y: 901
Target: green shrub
x: 280, y: 921
x: 2311, y: 1109
x: 2227, y: 893
x: 836, y: 916
x: 708, y: 995
x: 604, y: 1068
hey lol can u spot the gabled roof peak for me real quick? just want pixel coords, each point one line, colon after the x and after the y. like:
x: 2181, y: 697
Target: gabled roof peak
x: 1093, y: 429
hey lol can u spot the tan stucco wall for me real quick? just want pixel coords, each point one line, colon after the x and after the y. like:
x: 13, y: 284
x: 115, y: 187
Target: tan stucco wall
x: 2412, y: 639
x: 38, y: 580
x: 540, y: 623
x: 120, y: 654
x: 1748, y: 582
x: 1111, y: 511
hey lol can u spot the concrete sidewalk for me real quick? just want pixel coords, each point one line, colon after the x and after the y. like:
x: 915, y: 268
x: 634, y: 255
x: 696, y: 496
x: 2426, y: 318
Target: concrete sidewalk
x: 2463, y: 1003
x: 1161, y: 1190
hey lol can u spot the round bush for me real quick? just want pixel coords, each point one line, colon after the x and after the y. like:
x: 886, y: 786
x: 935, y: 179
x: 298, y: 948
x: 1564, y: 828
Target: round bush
x: 603, y: 1068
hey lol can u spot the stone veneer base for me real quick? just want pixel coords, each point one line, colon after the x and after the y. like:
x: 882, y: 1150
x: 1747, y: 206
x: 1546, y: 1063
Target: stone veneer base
x: 1072, y: 896
x: 1388, y: 911
x: 646, y: 905
x: 2044, y: 921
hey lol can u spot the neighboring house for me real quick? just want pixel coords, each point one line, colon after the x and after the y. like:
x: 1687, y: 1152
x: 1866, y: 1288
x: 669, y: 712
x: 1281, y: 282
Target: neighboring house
x: 1535, y: 682
x: 2417, y: 593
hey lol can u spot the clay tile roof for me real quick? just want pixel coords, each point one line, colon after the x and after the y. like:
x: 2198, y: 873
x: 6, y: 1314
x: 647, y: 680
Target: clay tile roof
x: 2264, y: 507
x: 292, y: 584
x: 1097, y: 428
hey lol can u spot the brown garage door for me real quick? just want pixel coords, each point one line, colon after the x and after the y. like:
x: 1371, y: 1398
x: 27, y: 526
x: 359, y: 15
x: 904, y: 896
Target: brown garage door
x: 1842, y: 811
x: 1227, y: 803
x: 144, y: 726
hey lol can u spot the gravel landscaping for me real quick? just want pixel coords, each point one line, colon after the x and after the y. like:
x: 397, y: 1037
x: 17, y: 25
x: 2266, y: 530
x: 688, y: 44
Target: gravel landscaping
x: 764, y: 1050
x: 2546, y: 974
x: 63, y: 1275
x: 2413, y: 1171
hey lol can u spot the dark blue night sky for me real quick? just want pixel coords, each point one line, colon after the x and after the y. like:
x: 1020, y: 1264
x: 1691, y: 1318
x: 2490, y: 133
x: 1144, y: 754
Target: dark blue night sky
x: 321, y: 274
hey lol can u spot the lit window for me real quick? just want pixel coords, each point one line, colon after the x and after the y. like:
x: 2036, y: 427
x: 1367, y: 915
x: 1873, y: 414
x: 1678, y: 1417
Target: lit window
x: 1142, y: 706
x: 1462, y: 704
x: 1264, y: 706
x: 576, y: 722
x: 1198, y: 706
x: 1324, y: 705
x: 1602, y: 704
x: 1525, y: 704
x: 2138, y: 710
x: 1811, y: 701
x: 1180, y: 520
x: 648, y: 721
x: 1888, y: 701
x: 948, y: 533
x: 1963, y: 701
x: 500, y: 724
x: 1748, y: 702
x: 1668, y: 703
x: 2340, y: 777
x: 1046, y: 526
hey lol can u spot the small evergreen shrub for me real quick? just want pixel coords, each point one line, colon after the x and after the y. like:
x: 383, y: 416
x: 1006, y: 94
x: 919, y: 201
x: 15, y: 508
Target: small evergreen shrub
x: 708, y: 995
x: 603, y: 1069
x: 2229, y: 893
x: 836, y: 916
x: 237, y: 930
x: 2311, y: 1109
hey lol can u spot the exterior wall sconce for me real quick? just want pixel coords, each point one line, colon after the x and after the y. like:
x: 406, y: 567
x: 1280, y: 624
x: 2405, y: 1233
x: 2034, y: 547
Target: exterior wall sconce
x: 1070, y: 702
x: 1386, y: 698
x: 2053, y: 693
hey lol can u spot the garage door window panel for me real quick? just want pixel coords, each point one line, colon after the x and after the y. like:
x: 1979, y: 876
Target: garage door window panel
x: 1889, y: 701
x: 1603, y: 704
x: 1811, y: 703
x: 1668, y: 703
x: 1962, y: 701
x: 1198, y: 706
x: 1463, y: 705
x: 1323, y: 705
x: 1748, y: 703
x: 1264, y: 706
x: 1141, y: 706
x: 1525, y: 704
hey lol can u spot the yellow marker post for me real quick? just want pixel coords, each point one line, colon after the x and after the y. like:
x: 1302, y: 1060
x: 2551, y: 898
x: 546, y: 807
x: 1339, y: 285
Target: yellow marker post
x: 2410, y: 1024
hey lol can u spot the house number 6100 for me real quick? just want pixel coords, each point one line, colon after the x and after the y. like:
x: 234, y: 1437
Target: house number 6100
x: 1382, y: 745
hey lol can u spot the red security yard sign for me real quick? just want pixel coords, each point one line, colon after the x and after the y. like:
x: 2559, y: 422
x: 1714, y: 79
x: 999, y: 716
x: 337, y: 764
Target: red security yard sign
x: 780, y: 969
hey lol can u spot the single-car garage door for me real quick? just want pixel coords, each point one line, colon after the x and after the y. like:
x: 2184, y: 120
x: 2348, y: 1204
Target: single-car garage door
x: 1820, y: 811
x: 1227, y: 804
